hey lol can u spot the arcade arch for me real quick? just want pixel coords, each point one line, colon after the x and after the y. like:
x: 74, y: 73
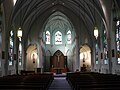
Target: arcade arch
x: 85, y: 58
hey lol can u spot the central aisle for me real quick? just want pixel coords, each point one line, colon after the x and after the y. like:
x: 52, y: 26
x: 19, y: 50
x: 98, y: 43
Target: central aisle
x: 60, y: 83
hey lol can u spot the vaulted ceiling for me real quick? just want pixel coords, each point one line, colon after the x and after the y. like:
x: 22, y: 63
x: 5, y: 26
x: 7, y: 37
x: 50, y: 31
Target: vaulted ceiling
x: 58, y: 21
x: 84, y: 9
x: 28, y: 12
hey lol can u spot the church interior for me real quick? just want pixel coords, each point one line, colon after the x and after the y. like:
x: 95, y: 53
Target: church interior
x: 60, y: 44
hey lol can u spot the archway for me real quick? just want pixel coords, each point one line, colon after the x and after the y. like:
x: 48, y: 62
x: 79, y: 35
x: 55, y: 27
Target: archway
x: 85, y: 58
x: 47, y: 61
x: 31, y: 58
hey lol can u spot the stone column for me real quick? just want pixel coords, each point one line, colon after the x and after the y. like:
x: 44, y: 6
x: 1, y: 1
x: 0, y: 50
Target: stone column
x: 109, y: 42
x: 92, y: 59
x: 6, y: 43
x: 17, y: 55
x: 3, y: 61
x: 107, y: 7
x: 40, y: 54
x: 109, y: 54
x: 77, y: 54
x: 24, y: 56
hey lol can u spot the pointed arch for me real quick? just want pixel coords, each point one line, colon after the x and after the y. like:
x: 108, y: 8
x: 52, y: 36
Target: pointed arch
x: 47, y: 36
x: 69, y: 37
x: 58, y: 60
x: 58, y: 37
x: 48, y: 53
x: 58, y: 53
x: 32, y: 57
x: 85, y: 58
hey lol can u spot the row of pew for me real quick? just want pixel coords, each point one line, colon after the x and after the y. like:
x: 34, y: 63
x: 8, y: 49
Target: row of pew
x: 39, y: 81
x: 93, y: 81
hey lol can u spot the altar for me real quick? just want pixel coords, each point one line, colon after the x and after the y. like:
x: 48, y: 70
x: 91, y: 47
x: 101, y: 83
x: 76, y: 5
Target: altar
x: 59, y: 70
x: 58, y: 63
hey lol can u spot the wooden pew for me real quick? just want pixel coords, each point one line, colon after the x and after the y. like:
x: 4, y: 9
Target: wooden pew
x: 36, y: 82
x: 93, y: 81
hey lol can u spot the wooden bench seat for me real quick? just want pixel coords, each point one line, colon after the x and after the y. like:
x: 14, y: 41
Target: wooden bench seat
x: 93, y: 81
x: 34, y: 82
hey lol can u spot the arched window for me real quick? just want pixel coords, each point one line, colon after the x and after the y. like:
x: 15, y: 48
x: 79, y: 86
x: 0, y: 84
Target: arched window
x: 19, y: 35
x: 96, y: 52
x: 118, y: 41
x: 105, y: 47
x: 20, y: 52
x: 10, y: 56
x: 47, y: 37
x: 58, y: 37
x: 69, y: 37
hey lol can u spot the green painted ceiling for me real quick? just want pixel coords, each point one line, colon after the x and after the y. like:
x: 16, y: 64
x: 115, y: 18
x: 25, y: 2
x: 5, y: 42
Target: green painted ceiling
x: 58, y: 21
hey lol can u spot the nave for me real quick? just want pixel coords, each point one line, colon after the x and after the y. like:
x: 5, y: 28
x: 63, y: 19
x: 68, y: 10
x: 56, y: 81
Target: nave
x: 46, y: 37
x: 59, y: 36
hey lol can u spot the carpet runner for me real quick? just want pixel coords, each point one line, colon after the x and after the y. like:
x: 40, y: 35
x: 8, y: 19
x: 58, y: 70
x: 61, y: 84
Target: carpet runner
x: 60, y: 83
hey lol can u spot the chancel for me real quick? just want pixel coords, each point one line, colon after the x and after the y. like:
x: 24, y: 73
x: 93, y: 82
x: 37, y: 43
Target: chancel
x: 60, y: 44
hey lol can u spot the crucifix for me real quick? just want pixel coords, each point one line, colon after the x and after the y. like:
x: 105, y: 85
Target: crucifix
x: 58, y: 61
x: 58, y: 54
x: 58, y: 58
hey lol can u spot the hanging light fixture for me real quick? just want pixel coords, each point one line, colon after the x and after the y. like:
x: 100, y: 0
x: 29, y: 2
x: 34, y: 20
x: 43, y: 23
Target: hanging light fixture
x: 96, y: 32
x: 95, y: 27
x: 19, y: 33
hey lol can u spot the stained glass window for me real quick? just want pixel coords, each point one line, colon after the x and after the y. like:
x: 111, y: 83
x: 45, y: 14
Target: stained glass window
x: 118, y: 41
x: 47, y: 37
x: 58, y: 37
x: 69, y: 37
x: 96, y: 51
x: 20, y: 52
x: 105, y: 48
x: 10, y: 56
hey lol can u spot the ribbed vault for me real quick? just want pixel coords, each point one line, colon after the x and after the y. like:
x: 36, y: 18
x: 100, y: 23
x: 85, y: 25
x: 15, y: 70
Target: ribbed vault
x: 58, y: 21
x: 27, y: 11
x: 88, y: 12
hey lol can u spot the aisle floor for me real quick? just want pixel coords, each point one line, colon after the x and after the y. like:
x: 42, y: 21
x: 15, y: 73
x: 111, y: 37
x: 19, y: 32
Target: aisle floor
x: 60, y: 83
